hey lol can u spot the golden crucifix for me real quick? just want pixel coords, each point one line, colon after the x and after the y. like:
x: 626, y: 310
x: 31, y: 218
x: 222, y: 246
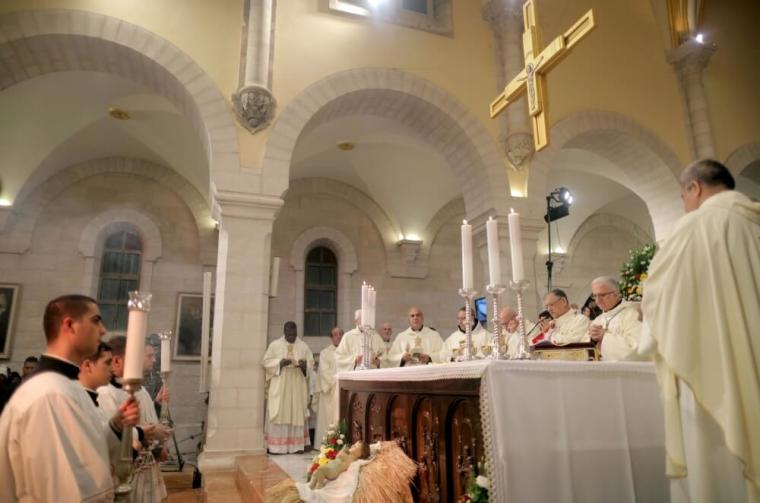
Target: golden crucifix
x: 531, y: 78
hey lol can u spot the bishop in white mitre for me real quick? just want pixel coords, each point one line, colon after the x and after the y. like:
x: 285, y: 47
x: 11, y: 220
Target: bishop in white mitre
x: 618, y: 327
x: 349, y: 353
x: 56, y: 445
x: 148, y: 484
x: 702, y: 324
x: 567, y: 326
x: 326, y: 387
x: 287, y: 362
x: 455, y: 344
x: 417, y: 344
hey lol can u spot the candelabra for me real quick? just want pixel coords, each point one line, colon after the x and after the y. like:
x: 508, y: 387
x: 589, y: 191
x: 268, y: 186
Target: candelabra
x: 523, y: 348
x: 468, y: 294
x: 494, y: 291
x: 165, y: 335
x: 366, y: 331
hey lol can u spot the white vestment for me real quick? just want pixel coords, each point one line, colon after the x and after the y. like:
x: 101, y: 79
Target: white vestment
x: 623, y: 331
x: 148, y: 484
x: 288, y: 396
x: 569, y: 328
x: 458, y: 340
x: 701, y: 306
x: 513, y: 338
x: 326, y: 389
x: 428, y: 339
x: 385, y: 351
x: 55, y: 444
x: 351, y: 346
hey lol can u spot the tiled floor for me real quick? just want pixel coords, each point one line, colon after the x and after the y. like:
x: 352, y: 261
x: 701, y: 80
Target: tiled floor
x: 295, y: 465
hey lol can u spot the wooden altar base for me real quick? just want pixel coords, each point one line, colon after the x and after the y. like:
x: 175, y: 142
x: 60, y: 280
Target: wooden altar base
x: 436, y: 423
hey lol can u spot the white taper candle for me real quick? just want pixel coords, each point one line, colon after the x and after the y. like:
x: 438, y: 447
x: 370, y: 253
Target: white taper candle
x: 166, y: 355
x: 515, y: 246
x: 494, y: 260
x: 365, y: 306
x: 466, y: 256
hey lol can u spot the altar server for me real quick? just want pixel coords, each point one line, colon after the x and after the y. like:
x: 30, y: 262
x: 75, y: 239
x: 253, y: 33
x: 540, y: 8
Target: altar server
x: 287, y: 362
x: 349, y: 353
x: 326, y: 387
x: 701, y: 307
x: 457, y: 341
x: 418, y: 344
x: 567, y: 326
x: 618, y: 328
x: 55, y: 444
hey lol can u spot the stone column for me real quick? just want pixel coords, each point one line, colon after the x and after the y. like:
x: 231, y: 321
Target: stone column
x: 254, y: 102
x: 236, y: 406
x: 689, y: 60
x: 506, y: 22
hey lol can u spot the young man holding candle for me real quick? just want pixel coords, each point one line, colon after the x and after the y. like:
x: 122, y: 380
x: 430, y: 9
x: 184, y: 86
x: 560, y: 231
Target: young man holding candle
x: 418, y: 344
x: 55, y: 444
x: 287, y: 363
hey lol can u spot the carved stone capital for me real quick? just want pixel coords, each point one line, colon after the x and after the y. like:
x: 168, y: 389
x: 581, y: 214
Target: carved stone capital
x: 519, y: 149
x: 409, y: 249
x: 254, y: 107
x: 691, y: 56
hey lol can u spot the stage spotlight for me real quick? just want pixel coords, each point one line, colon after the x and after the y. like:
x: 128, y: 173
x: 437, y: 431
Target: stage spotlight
x: 557, y: 206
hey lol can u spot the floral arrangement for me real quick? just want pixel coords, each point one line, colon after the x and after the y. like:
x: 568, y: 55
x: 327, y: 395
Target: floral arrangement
x: 634, y: 272
x: 332, y: 443
x: 477, y: 487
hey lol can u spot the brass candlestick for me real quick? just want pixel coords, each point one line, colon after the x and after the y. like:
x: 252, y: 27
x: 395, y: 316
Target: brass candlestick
x: 125, y: 467
x: 494, y: 291
x: 523, y: 350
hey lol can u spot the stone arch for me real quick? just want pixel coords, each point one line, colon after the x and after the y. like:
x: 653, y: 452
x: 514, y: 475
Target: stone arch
x: 347, y: 265
x: 743, y: 157
x: 93, y: 236
x: 55, y: 40
x: 600, y: 220
x: 32, y: 201
x: 391, y: 93
x: 649, y: 167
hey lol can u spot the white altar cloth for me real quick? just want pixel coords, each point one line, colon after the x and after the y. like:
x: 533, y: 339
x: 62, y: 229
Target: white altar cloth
x: 559, y: 431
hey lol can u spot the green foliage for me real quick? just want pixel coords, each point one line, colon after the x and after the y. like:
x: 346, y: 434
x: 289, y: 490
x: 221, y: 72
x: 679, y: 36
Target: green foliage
x: 634, y: 272
x: 477, y: 486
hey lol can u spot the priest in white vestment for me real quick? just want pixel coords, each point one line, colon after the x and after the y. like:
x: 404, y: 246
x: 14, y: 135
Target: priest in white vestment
x: 701, y: 306
x: 418, y: 344
x: 55, y: 444
x: 349, y: 353
x: 326, y: 387
x: 386, y: 333
x: 618, y: 328
x: 567, y: 326
x: 455, y: 344
x: 509, y: 323
x: 287, y: 362
x: 148, y: 484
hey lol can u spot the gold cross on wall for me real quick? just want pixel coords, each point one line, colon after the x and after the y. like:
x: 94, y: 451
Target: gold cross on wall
x: 531, y: 78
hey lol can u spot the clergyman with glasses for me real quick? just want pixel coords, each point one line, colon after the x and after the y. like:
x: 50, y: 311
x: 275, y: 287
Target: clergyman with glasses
x: 567, y: 325
x: 618, y: 328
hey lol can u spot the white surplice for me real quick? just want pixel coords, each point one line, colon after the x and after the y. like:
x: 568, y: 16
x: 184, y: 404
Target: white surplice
x: 458, y: 340
x: 623, y: 331
x: 327, y: 390
x: 351, y: 346
x: 55, y: 444
x: 288, y: 396
x: 429, y: 340
x: 569, y: 328
x: 701, y: 308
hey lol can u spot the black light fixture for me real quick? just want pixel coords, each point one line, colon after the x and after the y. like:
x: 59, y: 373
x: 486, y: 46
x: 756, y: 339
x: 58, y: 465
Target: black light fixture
x: 557, y: 206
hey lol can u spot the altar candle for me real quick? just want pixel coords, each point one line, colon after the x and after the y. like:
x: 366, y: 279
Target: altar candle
x: 365, y: 295
x: 371, y: 300
x: 166, y: 355
x: 494, y: 263
x: 466, y: 256
x: 515, y: 246
x: 133, y: 356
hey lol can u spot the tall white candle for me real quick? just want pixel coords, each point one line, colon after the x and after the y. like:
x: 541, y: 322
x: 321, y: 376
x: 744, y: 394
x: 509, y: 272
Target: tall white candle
x: 371, y: 300
x: 515, y: 246
x: 166, y: 355
x: 494, y: 262
x: 137, y: 323
x: 466, y: 256
x: 365, y: 295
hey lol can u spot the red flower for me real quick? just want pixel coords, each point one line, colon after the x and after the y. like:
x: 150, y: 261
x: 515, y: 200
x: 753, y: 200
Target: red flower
x: 333, y: 441
x: 313, y: 468
x: 330, y: 454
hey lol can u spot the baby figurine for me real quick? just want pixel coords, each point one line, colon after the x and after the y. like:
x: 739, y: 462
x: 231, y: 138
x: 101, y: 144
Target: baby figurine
x: 332, y: 469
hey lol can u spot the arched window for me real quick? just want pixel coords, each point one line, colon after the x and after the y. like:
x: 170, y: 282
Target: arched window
x: 119, y: 275
x: 320, y: 292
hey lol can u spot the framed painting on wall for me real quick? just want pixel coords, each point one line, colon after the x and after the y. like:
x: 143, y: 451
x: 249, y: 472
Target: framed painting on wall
x: 9, y: 300
x: 189, y: 325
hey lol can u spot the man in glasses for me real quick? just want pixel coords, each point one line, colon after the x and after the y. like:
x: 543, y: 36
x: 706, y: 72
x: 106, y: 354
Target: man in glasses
x: 567, y: 326
x: 618, y: 328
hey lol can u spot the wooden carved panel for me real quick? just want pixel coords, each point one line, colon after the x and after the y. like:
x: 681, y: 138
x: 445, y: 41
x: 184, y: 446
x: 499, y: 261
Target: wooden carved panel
x: 356, y: 417
x: 465, y: 449
x: 427, y: 451
x: 376, y: 418
x: 400, y: 420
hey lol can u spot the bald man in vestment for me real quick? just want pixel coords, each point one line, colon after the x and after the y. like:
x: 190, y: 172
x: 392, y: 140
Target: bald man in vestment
x: 701, y: 306
x: 418, y: 344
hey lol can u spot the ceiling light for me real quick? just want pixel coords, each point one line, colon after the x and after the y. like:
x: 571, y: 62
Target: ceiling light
x: 5, y: 202
x: 119, y: 113
x: 700, y: 38
x: 346, y: 145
